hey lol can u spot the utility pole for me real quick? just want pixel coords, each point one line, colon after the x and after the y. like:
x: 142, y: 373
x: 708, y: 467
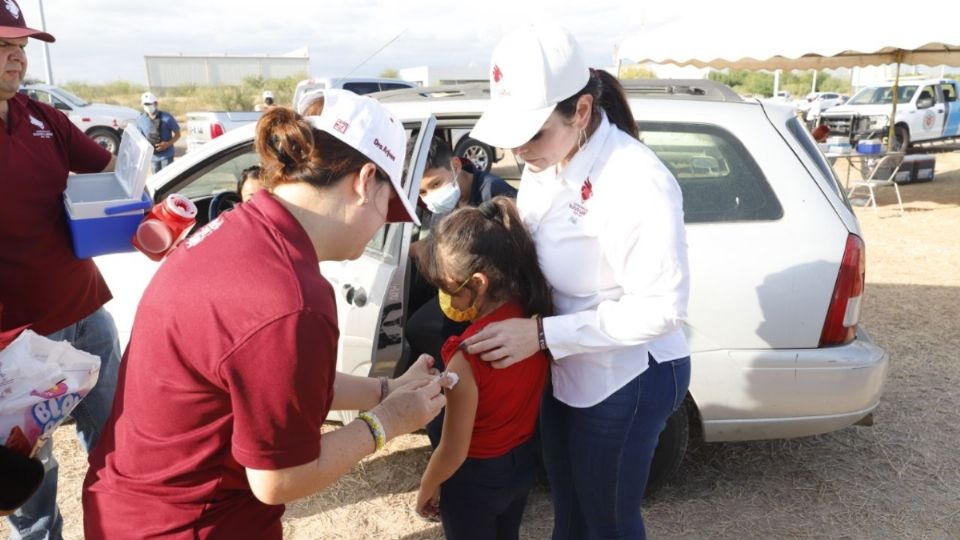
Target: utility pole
x: 46, y: 46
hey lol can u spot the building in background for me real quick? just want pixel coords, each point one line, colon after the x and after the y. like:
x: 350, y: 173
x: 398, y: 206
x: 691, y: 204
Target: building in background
x: 171, y: 70
x: 436, y: 75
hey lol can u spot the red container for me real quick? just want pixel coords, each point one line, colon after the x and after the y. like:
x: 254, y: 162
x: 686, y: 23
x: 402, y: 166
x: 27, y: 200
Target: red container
x: 165, y: 226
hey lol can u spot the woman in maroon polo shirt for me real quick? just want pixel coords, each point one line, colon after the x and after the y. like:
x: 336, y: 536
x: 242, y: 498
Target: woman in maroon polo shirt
x: 223, y: 390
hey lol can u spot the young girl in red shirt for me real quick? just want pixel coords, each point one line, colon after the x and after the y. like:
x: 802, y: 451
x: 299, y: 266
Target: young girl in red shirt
x: 485, y: 266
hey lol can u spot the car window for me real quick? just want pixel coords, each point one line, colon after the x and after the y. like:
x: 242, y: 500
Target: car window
x: 802, y: 135
x: 928, y: 93
x: 719, y: 179
x: 882, y: 95
x: 362, y: 87
x: 949, y: 92
x: 393, y: 86
x: 46, y: 97
x: 222, y: 175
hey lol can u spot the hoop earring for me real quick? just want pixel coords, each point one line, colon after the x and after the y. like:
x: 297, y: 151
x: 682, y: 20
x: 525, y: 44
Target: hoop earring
x: 581, y: 139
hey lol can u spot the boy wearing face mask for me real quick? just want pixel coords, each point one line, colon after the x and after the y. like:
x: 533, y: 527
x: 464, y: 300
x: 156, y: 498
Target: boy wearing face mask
x: 450, y: 182
x: 160, y: 128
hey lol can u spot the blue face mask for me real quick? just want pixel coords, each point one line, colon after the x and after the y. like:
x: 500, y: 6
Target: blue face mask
x: 443, y: 200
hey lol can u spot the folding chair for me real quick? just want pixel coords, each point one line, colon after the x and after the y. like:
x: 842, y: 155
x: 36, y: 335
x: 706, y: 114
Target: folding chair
x: 879, y: 177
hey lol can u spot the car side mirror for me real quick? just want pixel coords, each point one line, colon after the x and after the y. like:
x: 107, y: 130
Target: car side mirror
x: 924, y: 103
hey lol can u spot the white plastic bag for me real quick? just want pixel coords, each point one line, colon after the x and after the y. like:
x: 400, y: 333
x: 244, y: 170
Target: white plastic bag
x: 41, y: 381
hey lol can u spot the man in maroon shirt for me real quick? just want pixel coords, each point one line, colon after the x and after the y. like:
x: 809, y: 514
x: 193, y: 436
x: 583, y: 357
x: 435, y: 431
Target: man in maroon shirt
x: 42, y: 283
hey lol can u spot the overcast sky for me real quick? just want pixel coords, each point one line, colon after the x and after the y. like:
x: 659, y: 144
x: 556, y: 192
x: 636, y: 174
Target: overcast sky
x: 105, y: 40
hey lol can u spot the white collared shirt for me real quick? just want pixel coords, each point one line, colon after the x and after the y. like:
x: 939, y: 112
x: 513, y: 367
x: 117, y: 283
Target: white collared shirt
x: 611, y: 242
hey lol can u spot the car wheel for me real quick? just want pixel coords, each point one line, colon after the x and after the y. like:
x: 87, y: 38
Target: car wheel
x: 107, y: 138
x: 480, y: 154
x: 901, y: 137
x: 670, y: 449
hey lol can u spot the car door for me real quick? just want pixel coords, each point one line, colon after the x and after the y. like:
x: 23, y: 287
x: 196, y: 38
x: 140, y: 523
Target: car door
x: 371, y: 290
x: 952, y: 105
x: 929, y: 125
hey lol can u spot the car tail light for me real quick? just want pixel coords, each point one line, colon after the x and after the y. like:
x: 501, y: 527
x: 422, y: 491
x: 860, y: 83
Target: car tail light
x: 216, y: 130
x: 843, y: 314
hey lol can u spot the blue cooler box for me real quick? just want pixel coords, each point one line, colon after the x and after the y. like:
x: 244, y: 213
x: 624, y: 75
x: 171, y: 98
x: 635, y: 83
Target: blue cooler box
x: 869, y: 146
x: 104, y: 209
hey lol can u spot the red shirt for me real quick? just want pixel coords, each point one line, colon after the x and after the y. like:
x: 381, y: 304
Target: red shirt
x: 42, y: 283
x: 508, y: 399
x: 231, y: 364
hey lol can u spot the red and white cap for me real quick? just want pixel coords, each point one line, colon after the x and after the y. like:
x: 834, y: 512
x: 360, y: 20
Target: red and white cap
x: 531, y: 70
x: 12, y: 24
x: 365, y: 125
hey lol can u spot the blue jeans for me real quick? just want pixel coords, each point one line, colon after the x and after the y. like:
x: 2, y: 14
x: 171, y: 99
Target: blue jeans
x: 160, y: 162
x: 485, y: 498
x: 598, y: 458
x: 96, y: 334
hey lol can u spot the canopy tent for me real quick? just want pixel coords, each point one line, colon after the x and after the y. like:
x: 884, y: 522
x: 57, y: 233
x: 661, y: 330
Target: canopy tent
x: 843, y: 35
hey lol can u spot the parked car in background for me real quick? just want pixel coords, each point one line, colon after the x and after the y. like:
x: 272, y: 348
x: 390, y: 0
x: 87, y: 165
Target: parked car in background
x: 357, y: 85
x: 203, y: 127
x: 817, y: 102
x: 775, y: 252
x: 103, y: 123
x: 927, y: 111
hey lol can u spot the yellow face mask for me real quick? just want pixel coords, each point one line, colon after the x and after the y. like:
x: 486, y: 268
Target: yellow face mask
x: 452, y: 313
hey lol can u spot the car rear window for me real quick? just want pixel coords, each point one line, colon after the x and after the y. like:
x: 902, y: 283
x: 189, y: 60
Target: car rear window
x: 719, y: 179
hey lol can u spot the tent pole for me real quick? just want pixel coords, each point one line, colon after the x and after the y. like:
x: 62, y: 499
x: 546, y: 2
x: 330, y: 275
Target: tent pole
x: 893, y: 117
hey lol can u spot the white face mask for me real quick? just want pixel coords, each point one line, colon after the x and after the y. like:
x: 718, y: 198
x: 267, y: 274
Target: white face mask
x: 444, y: 199
x: 152, y: 108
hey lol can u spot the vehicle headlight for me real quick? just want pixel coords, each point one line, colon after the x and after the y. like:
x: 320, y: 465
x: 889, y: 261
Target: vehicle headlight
x: 877, y: 122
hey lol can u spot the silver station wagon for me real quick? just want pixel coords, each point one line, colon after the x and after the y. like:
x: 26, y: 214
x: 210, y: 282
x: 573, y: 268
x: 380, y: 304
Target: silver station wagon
x: 776, y: 260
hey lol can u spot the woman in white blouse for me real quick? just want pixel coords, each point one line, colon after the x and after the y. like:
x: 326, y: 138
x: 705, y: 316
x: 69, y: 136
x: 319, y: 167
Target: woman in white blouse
x: 607, y: 218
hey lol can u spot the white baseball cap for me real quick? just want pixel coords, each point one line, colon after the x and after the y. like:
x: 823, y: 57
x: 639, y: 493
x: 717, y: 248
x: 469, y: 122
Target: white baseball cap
x: 531, y: 70
x: 267, y: 94
x: 307, y: 98
x: 147, y: 97
x: 365, y: 125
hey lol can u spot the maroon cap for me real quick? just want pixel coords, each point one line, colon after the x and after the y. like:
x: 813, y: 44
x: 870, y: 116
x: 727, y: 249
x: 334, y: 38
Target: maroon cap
x: 12, y: 24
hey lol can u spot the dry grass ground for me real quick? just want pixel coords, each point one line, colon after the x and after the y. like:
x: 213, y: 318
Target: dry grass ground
x: 897, y: 479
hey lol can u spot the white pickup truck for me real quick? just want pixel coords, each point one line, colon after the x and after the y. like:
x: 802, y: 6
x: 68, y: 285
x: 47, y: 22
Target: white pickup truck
x: 103, y: 123
x: 927, y: 110
x: 203, y: 127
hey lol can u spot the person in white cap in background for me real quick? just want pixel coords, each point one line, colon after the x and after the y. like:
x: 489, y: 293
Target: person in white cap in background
x: 43, y: 285
x: 266, y: 101
x: 607, y: 219
x: 160, y: 128
x: 223, y: 392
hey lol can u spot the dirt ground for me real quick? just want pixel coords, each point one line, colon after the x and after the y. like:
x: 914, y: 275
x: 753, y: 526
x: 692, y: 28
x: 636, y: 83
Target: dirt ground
x: 897, y: 479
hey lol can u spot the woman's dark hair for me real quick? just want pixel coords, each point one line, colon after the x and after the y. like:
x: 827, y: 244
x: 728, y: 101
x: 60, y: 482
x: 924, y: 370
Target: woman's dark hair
x: 291, y: 151
x: 252, y: 171
x: 490, y: 239
x: 608, y: 95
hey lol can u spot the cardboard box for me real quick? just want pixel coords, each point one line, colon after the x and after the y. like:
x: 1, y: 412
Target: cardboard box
x: 916, y: 168
x: 104, y: 209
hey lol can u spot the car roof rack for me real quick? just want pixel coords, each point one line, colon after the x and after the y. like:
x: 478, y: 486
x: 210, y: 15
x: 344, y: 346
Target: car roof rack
x: 477, y: 90
x: 698, y: 89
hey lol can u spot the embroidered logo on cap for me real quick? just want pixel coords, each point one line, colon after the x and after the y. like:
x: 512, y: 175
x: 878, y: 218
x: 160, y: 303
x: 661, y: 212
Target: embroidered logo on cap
x: 586, y: 191
x: 497, y: 74
x: 384, y: 149
x: 341, y: 126
x: 12, y: 8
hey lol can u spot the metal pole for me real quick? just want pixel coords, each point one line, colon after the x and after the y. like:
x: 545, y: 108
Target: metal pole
x: 46, y: 46
x: 813, y: 88
x: 893, y: 117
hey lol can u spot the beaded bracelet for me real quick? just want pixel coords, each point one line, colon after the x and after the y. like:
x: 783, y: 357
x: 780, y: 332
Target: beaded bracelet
x: 541, y: 337
x: 376, y: 428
